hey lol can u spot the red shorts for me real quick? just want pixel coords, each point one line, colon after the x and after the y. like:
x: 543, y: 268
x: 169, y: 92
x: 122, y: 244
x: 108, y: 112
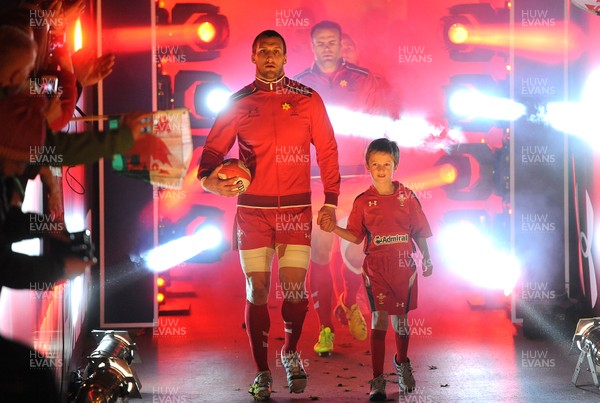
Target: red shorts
x: 391, y: 283
x: 260, y: 227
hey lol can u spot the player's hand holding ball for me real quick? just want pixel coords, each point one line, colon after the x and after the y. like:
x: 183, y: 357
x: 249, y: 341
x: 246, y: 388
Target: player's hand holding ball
x: 230, y: 179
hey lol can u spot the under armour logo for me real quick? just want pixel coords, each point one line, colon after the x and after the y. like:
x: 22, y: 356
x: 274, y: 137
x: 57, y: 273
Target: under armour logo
x: 373, y: 203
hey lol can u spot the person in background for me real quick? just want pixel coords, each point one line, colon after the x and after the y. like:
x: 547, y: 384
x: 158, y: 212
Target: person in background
x: 22, y: 130
x: 341, y: 84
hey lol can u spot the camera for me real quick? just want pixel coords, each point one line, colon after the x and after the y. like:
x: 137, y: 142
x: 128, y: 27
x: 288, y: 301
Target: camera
x: 45, y: 85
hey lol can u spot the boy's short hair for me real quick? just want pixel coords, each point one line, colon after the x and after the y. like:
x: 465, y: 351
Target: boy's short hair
x: 383, y: 145
x: 269, y: 33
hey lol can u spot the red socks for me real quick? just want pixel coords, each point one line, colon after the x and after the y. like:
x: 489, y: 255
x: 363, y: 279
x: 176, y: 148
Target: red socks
x: 377, y: 351
x: 401, y: 348
x: 321, y: 289
x: 352, y: 282
x: 257, y: 327
x: 293, y: 315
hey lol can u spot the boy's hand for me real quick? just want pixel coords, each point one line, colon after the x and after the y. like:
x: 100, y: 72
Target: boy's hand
x: 427, y: 267
x: 326, y: 218
x: 325, y: 223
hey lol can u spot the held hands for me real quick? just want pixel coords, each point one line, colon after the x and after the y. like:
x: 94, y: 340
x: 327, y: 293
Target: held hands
x: 326, y: 219
x: 223, y: 187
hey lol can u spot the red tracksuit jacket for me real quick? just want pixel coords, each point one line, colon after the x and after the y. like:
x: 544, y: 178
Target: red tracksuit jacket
x: 275, y: 123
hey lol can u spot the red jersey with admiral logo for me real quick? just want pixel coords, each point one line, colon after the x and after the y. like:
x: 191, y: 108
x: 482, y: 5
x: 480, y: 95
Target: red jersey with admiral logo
x: 275, y: 124
x: 388, y: 222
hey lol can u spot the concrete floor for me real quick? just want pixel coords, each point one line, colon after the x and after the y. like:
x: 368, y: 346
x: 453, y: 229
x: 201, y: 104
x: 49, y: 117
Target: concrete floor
x: 459, y: 354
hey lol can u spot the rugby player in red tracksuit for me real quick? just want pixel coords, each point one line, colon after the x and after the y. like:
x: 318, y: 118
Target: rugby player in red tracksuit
x: 274, y: 120
x: 355, y: 89
x: 390, y: 217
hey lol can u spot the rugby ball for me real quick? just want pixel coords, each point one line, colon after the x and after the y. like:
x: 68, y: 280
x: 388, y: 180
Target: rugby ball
x: 232, y: 168
x: 590, y: 6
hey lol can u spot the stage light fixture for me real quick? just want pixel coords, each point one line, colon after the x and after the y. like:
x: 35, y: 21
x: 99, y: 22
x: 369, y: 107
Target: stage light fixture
x: 210, y: 95
x: 161, y: 283
x: 474, y: 164
x: 477, y: 103
x: 197, y: 238
x: 108, y: 376
x: 200, y: 26
x: 463, y: 34
x: 587, y: 340
x: 210, y: 98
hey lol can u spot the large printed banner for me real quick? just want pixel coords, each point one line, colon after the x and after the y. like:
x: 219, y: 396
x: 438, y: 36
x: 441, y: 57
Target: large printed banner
x: 162, y: 157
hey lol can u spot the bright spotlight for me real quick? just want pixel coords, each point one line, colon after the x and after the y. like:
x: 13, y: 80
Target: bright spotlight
x: 458, y: 33
x: 448, y: 173
x: 216, y: 99
x: 470, y: 31
x: 576, y: 118
x: 210, y: 95
x: 477, y: 103
x: 472, y: 104
x: 408, y: 131
x: 206, y: 32
x: 77, y: 293
x: 473, y: 256
x: 177, y: 251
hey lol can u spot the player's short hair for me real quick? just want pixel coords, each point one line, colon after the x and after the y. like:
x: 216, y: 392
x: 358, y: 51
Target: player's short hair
x: 383, y: 145
x: 326, y: 24
x: 269, y: 33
